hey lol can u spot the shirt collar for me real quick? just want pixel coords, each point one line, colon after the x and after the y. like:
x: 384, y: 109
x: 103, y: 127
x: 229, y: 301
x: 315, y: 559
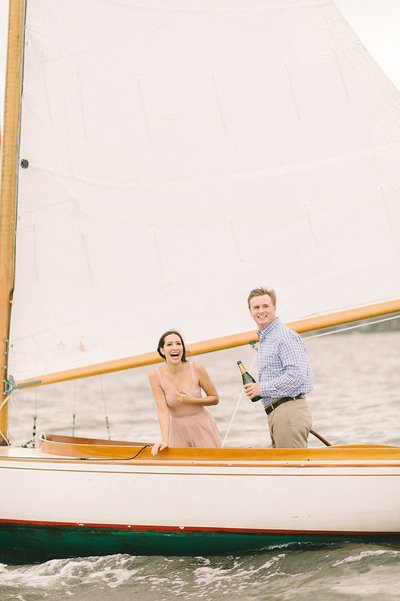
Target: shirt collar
x: 268, y: 329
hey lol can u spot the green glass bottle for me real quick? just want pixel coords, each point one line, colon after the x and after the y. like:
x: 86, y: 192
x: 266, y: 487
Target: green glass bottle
x: 247, y: 379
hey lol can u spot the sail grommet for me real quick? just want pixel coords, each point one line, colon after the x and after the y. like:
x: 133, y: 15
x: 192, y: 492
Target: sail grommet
x: 24, y: 163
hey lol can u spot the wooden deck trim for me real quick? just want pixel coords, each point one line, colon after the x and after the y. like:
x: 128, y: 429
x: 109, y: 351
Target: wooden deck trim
x: 357, y: 455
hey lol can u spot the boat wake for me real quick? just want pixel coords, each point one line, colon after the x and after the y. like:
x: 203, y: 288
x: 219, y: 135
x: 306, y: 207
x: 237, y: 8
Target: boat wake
x: 356, y: 572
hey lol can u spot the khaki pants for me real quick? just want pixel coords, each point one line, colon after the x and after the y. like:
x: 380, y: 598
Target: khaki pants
x: 290, y: 424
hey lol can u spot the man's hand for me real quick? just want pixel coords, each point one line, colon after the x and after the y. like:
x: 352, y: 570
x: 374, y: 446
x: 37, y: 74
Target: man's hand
x: 252, y: 390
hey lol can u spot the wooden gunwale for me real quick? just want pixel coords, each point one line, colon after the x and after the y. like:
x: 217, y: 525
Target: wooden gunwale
x: 140, y: 453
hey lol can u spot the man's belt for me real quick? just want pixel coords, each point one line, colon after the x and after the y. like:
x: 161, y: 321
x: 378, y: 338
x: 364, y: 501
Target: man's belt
x: 271, y: 406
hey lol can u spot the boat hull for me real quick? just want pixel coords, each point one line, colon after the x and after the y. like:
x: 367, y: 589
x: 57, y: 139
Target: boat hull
x: 28, y: 543
x: 194, y: 503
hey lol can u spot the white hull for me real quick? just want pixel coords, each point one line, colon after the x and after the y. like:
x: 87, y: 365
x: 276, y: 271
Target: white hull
x: 330, y: 498
x: 326, y: 499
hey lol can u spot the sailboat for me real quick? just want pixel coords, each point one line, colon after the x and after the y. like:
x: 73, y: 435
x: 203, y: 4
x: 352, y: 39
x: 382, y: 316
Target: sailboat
x: 160, y: 160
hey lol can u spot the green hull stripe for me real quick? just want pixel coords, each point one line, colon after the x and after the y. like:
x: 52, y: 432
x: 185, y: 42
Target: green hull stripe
x: 30, y: 544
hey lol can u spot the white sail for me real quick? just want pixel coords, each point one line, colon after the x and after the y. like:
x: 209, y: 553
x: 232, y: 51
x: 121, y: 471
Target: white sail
x: 182, y: 153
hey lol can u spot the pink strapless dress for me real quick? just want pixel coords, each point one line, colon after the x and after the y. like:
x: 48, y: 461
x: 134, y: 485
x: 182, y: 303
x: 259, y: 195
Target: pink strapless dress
x: 191, y: 425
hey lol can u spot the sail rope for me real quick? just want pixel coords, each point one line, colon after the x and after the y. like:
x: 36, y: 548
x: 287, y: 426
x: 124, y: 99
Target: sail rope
x: 107, y: 421
x: 74, y: 409
x: 241, y: 395
x: 347, y: 328
x: 6, y: 400
x: 32, y: 443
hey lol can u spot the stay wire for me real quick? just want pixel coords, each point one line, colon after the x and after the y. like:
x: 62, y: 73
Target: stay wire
x: 74, y: 409
x: 347, y: 328
x: 32, y: 443
x: 5, y: 401
x: 8, y: 399
x: 107, y: 421
x: 241, y: 395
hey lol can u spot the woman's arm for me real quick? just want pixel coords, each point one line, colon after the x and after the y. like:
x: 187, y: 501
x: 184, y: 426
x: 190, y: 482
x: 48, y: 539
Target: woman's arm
x: 162, y: 412
x: 206, y: 384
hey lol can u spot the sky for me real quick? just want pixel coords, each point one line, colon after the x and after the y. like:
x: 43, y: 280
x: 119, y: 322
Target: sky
x: 376, y: 22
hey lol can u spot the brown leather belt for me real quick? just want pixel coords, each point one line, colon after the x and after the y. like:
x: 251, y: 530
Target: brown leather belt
x: 271, y: 406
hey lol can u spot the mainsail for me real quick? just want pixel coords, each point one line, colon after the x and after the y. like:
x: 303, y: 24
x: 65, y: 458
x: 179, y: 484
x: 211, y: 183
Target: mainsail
x: 173, y: 155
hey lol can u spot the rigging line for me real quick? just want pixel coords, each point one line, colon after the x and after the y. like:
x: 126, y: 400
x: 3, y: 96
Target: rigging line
x: 4, y: 438
x: 6, y: 400
x: 105, y: 408
x: 99, y: 459
x: 7, y: 442
x: 140, y: 451
x: 33, y: 439
x: 15, y: 411
x: 74, y: 409
x: 32, y: 442
x: 361, y: 325
x: 241, y: 395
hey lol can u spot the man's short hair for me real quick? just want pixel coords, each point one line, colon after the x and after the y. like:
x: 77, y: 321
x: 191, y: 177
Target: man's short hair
x: 260, y: 292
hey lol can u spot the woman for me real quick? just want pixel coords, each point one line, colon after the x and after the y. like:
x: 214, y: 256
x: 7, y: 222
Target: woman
x: 176, y: 386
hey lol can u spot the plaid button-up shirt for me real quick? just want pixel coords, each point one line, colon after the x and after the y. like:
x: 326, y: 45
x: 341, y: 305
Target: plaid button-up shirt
x: 283, y: 366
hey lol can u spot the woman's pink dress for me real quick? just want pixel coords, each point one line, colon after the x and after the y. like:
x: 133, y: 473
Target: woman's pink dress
x: 191, y: 425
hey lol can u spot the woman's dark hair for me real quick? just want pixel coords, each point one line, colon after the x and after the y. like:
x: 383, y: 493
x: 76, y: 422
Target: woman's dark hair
x: 161, y: 344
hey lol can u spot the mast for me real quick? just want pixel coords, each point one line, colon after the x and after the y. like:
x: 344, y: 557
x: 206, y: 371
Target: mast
x: 12, y: 110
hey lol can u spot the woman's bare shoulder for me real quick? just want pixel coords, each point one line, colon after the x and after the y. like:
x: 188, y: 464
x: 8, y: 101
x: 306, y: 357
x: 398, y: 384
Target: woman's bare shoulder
x: 153, y: 375
x: 199, y: 367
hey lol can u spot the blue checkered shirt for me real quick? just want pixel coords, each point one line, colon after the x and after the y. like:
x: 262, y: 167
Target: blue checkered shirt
x: 283, y: 366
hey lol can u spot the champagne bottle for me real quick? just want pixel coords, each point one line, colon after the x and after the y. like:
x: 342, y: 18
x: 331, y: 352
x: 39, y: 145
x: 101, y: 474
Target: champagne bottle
x: 247, y: 379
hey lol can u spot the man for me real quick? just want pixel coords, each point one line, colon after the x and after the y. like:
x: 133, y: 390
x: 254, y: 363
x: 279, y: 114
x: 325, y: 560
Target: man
x: 284, y: 374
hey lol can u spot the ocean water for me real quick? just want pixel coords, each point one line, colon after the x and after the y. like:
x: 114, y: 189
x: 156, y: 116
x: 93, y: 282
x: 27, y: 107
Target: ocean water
x: 356, y: 399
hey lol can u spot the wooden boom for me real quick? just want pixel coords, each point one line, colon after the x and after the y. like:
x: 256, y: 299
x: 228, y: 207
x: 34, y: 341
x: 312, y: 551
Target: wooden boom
x: 215, y: 344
